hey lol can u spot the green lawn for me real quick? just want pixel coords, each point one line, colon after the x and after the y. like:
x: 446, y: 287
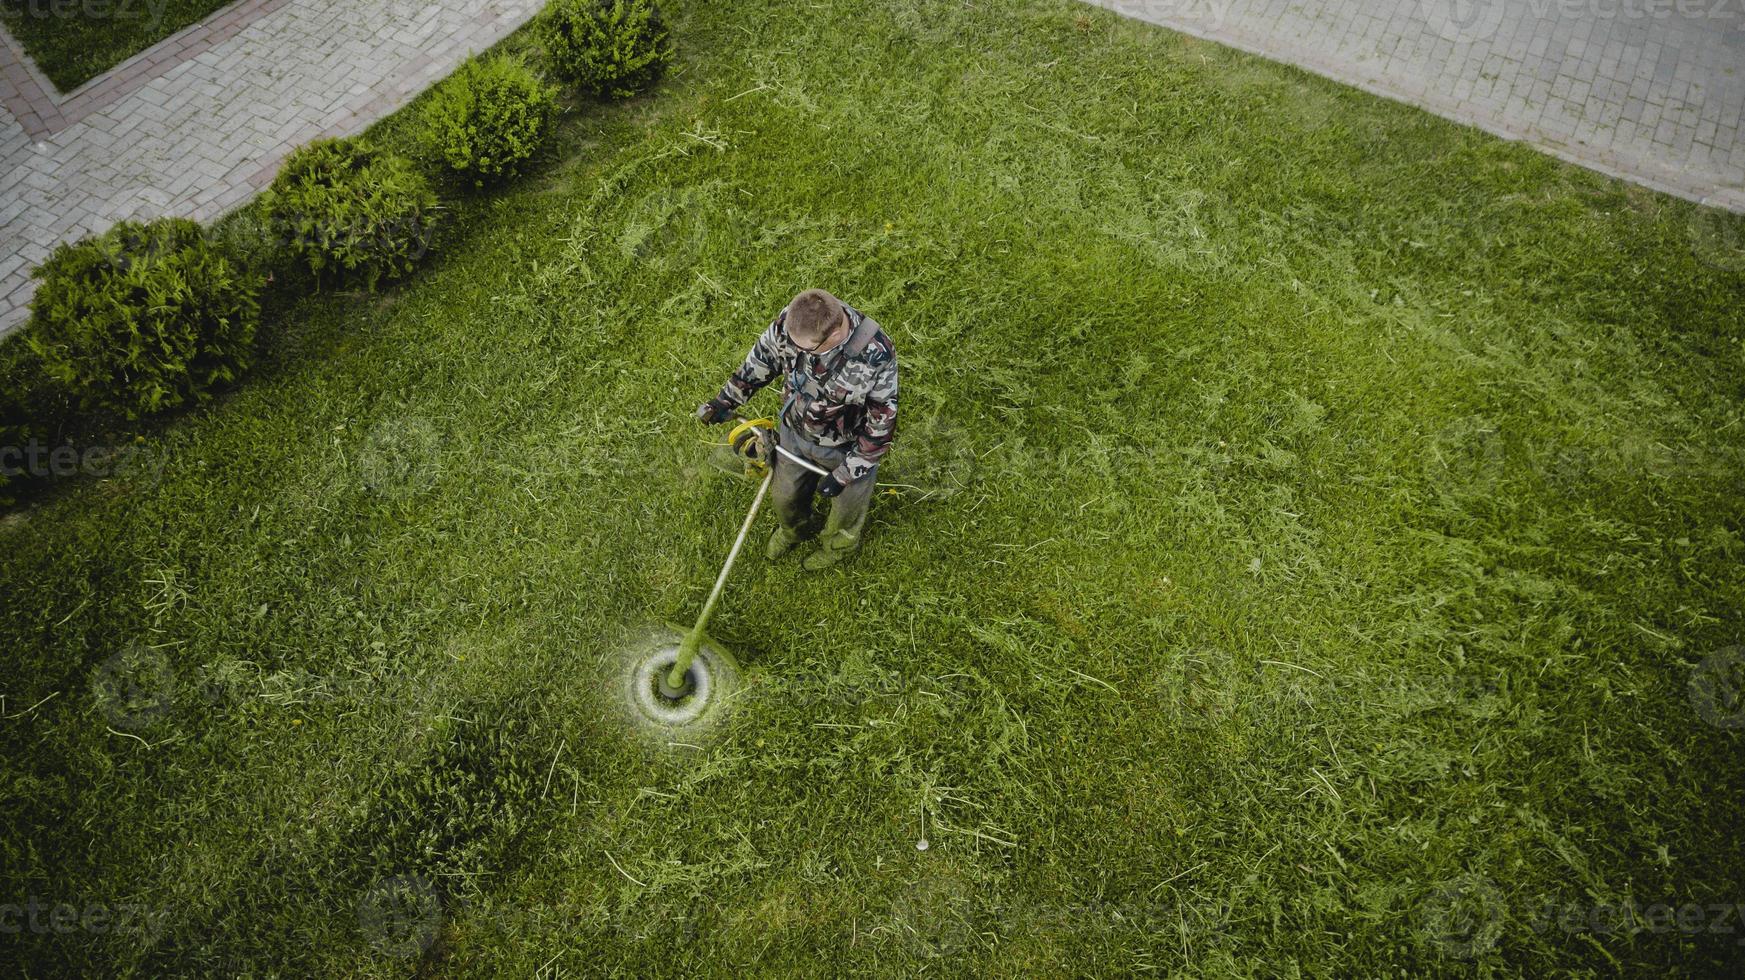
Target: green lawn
x: 74, y: 41
x: 1306, y: 517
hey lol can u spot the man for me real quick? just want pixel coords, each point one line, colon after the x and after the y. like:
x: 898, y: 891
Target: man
x: 839, y: 411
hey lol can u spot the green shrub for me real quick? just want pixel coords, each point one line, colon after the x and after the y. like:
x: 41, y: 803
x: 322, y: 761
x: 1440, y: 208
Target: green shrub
x: 487, y: 119
x: 608, y: 47
x: 143, y: 317
x: 345, y: 208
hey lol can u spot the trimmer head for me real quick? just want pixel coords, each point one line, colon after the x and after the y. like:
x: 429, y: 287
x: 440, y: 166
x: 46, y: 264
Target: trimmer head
x: 687, y: 685
x: 694, y: 703
x: 748, y: 449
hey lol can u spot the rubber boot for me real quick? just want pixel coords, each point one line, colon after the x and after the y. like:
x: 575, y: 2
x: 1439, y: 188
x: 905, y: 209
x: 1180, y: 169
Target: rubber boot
x: 833, y: 548
x: 781, y: 542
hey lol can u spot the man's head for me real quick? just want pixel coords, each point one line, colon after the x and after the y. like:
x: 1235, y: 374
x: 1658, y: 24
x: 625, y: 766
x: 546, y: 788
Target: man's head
x: 816, y: 321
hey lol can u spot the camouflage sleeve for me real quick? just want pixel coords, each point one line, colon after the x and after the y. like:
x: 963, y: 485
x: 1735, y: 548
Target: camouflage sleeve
x: 877, y: 427
x: 762, y: 365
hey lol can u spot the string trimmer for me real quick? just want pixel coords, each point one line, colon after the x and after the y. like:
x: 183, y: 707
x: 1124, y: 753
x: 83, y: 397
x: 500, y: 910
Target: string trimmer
x: 754, y: 442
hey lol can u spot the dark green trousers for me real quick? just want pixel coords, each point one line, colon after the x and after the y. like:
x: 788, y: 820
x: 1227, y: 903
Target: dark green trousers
x: 794, y: 487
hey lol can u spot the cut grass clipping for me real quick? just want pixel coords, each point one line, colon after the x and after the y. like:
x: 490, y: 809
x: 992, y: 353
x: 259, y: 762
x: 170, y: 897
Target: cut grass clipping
x: 1314, y: 546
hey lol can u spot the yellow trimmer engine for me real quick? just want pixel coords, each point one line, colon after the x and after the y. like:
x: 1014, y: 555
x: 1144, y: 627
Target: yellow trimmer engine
x: 754, y: 440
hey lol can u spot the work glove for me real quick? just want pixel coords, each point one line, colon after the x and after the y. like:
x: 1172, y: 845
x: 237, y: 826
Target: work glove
x: 714, y: 411
x: 830, y: 486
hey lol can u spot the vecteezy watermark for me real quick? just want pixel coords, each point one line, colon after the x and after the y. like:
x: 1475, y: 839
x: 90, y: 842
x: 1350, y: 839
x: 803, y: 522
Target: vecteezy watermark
x: 400, y: 916
x: 43, y: 461
x: 1632, y: 917
x: 1200, y: 13
x: 1465, y: 915
x: 149, y: 11
x: 669, y: 227
x: 36, y: 915
x: 1468, y: 21
x: 134, y: 687
x: 1468, y: 916
x: 400, y: 456
x: 1471, y: 458
x: 1462, y: 21
x: 1466, y: 457
x: 1717, y: 235
x: 940, y: 458
x: 1717, y: 688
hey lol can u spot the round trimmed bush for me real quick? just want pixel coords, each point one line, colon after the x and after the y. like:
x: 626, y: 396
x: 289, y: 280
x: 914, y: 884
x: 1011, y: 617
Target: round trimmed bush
x: 143, y: 317
x: 345, y: 209
x: 607, y: 47
x: 487, y: 119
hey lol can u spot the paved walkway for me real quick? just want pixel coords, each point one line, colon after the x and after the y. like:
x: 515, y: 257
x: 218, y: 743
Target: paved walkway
x: 198, y: 123
x: 1649, y: 90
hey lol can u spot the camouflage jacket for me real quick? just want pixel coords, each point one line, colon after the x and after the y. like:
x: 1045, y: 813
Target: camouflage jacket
x: 845, y: 398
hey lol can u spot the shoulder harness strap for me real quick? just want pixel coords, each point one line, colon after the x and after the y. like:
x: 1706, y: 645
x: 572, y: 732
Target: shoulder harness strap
x: 862, y: 335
